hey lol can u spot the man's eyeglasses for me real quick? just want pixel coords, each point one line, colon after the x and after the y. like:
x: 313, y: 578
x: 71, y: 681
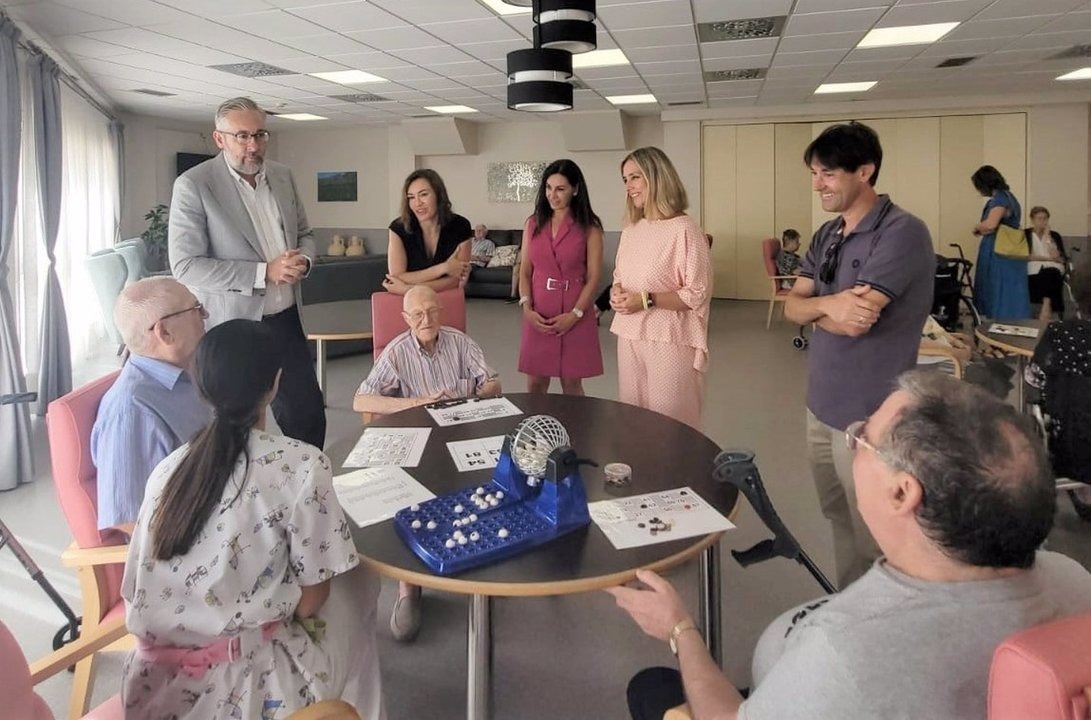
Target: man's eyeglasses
x: 417, y: 316
x: 827, y: 271
x: 244, y: 137
x: 198, y: 307
x: 854, y: 438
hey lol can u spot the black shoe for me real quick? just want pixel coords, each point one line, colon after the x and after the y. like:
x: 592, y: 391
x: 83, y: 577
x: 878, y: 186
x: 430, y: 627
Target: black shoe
x: 511, y: 301
x: 1082, y: 508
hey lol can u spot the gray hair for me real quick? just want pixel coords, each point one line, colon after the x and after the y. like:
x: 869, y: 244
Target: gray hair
x: 236, y: 104
x: 989, y: 497
x: 139, y: 307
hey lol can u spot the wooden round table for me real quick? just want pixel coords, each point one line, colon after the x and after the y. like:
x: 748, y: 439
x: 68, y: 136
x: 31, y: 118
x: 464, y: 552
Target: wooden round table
x: 1021, y: 347
x: 335, y: 321
x: 663, y: 453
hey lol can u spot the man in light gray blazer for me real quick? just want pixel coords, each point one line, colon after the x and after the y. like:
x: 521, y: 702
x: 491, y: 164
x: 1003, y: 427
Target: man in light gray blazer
x: 239, y: 239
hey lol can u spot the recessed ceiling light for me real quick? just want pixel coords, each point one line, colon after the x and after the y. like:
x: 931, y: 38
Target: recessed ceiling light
x: 1081, y: 74
x: 301, y: 116
x: 348, y: 77
x: 632, y: 99
x: 599, y: 58
x: 450, y: 109
x: 844, y: 87
x: 502, y: 8
x: 906, y: 35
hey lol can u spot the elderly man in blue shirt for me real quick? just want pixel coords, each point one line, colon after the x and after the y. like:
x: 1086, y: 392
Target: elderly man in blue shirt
x: 154, y: 406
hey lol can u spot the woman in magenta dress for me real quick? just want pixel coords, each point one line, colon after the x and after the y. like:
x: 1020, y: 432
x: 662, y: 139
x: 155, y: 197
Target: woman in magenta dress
x: 562, y: 263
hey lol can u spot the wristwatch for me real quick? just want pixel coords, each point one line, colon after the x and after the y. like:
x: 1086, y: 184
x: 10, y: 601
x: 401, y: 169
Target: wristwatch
x: 651, y: 301
x: 578, y: 313
x: 677, y: 631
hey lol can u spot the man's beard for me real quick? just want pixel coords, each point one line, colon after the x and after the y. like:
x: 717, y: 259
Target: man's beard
x: 248, y: 166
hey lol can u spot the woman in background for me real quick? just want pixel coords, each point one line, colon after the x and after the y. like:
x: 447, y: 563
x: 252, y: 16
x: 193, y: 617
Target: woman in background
x: 661, y: 292
x: 562, y: 262
x: 241, y: 584
x: 428, y: 244
x: 1000, y: 283
x: 1045, y: 271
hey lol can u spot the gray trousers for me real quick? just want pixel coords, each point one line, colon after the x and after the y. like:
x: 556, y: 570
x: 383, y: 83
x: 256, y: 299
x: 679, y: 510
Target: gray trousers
x: 854, y: 550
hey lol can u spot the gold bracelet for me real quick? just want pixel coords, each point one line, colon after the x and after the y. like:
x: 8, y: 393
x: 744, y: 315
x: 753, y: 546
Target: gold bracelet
x: 644, y: 300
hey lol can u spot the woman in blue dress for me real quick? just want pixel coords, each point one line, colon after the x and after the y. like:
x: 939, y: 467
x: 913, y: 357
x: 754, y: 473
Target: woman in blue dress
x: 1000, y: 285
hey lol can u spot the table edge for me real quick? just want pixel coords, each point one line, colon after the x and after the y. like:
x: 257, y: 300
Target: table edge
x: 341, y: 336
x: 989, y: 339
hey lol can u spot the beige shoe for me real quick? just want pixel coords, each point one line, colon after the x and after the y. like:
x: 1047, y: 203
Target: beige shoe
x: 405, y: 619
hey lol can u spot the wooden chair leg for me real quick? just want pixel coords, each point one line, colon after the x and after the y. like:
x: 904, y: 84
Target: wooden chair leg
x: 82, y: 682
x: 769, y: 318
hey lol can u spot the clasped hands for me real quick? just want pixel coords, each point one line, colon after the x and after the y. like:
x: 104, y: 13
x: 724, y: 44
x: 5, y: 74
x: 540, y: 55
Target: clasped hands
x: 625, y: 302
x: 556, y: 325
x: 286, y: 269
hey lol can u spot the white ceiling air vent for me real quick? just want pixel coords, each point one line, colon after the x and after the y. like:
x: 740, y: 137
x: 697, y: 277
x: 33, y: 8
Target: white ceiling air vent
x: 684, y: 103
x: 361, y: 98
x: 252, y: 69
x: 957, y: 61
x: 744, y: 29
x: 726, y: 75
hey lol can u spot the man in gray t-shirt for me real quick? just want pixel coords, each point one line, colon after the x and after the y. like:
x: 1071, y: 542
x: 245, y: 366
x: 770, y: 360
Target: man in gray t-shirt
x: 866, y: 282
x: 955, y: 486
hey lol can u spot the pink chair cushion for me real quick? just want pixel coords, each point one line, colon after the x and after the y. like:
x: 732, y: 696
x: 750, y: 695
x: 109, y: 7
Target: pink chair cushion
x: 387, y: 322
x: 69, y: 420
x: 769, y: 249
x: 112, y: 709
x: 17, y: 696
x: 1041, y: 672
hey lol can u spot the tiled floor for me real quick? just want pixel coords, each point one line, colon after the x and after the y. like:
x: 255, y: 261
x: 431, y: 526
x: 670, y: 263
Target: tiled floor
x: 566, y: 657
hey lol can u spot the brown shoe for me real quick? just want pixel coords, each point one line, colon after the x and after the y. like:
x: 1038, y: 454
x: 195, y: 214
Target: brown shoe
x: 405, y: 618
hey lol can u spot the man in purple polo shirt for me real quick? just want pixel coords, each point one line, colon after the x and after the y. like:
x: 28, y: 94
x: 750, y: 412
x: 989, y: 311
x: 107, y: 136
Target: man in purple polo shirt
x: 867, y: 283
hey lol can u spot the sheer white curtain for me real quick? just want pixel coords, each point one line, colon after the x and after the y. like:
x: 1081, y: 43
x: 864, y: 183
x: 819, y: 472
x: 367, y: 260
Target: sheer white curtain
x: 26, y: 271
x: 89, y: 209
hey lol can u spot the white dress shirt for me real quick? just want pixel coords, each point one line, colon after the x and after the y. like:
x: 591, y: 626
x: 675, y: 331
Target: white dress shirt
x: 1041, y: 246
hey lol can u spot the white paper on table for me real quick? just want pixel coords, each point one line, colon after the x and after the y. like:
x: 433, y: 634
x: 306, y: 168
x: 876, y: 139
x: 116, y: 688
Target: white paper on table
x: 372, y: 495
x: 477, y: 454
x: 473, y: 410
x: 1017, y: 330
x: 378, y: 447
x: 627, y: 522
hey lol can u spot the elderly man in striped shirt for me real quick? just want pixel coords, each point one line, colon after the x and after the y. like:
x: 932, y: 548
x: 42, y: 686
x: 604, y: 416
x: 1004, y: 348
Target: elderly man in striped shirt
x: 426, y: 363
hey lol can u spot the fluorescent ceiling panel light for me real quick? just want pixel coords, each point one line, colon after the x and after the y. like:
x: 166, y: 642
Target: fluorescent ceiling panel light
x: 502, y: 8
x: 632, y: 99
x: 1081, y: 74
x: 348, y: 77
x: 301, y: 116
x: 599, y: 58
x: 845, y: 87
x: 450, y: 109
x: 906, y: 35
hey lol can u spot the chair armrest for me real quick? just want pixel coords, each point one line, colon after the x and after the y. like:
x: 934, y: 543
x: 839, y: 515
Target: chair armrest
x: 933, y: 351
x: 88, y: 643
x: 86, y: 557
x: 784, y: 277
x: 678, y: 713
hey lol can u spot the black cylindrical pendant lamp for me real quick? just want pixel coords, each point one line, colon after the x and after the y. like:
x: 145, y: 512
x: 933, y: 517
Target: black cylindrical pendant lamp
x: 538, y: 80
x: 565, y: 25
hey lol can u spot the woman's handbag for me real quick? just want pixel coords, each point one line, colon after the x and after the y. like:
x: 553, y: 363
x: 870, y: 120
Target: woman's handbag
x: 1011, y: 243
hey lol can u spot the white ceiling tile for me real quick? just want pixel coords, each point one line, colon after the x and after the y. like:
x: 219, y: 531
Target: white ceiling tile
x: 739, y: 63
x: 738, y: 48
x: 964, y: 48
x: 273, y: 25
x: 217, y: 8
x: 424, y: 11
x: 470, y: 68
x: 814, y: 6
x: 646, y: 14
x: 1002, y: 9
x: 731, y: 102
x: 346, y: 17
x: 80, y: 46
x: 903, y: 52
x: 1058, y: 40
x: 734, y: 88
x: 934, y: 12
x: 656, y: 37
x: 130, y: 12
x: 666, y: 68
x: 808, y: 59
x: 438, y: 55
x: 408, y: 74
x: 832, y: 41
x: 159, y: 44
x: 1069, y: 22
x: 472, y: 31
x: 327, y: 43
x: 798, y: 72
x: 844, y: 21
x: 875, y: 67
x: 674, y: 53
x: 399, y: 38
x: 493, y: 50
x: 492, y: 80
x: 715, y: 10
x: 984, y: 29
x: 52, y: 19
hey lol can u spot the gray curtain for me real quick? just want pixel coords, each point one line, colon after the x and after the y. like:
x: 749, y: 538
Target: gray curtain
x: 117, y: 136
x: 16, y: 460
x: 55, y: 371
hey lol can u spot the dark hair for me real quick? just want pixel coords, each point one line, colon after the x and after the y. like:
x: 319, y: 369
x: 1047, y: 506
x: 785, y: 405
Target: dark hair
x: 580, y: 207
x: 443, y: 201
x: 989, y: 495
x: 846, y: 147
x: 790, y: 235
x: 987, y: 180
x: 1038, y: 209
x: 236, y: 366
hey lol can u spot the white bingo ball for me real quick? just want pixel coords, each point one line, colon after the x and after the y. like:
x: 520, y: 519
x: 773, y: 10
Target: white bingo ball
x: 480, y: 491
x: 457, y: 523
x: 499, y: 494
x: 503, y: 532
x: 494, y: 502
x: 416, y: 524
x: 414, y: 507
x: 475, y: 536
x: 449, y: 544
x: 458, y: 508
x: 431, y: 524
x: 473, y: 518
x: 462, y: 540
x: 457, y: 534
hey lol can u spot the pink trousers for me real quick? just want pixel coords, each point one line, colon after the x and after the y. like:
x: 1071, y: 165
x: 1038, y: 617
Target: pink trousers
x: 661, y: 377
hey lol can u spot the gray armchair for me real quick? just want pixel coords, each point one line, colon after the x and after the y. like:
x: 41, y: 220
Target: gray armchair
x: 109, y: 275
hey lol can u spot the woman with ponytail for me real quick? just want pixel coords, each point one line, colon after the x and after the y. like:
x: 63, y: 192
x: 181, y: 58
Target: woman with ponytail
x: 242, y: 584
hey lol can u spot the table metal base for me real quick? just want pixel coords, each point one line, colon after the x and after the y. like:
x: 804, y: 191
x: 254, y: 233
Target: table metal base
x: 479, y: 658
x: 708, y: 601
x: 320, y: 352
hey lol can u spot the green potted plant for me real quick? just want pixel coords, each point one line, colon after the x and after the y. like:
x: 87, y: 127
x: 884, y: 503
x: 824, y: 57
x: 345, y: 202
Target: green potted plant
x: 155, y: 237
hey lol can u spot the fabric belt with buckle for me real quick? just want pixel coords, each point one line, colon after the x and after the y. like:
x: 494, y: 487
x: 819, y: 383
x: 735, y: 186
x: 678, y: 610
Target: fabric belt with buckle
x: 555, y: 284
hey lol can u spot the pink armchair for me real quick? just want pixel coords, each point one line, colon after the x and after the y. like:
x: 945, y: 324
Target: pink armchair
x: 97, y: 556
x: 769, y: 249
x: 387, y: 322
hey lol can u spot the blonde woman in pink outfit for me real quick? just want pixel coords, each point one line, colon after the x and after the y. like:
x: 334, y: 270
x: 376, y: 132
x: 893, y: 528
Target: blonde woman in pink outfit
x: 661, y: 293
